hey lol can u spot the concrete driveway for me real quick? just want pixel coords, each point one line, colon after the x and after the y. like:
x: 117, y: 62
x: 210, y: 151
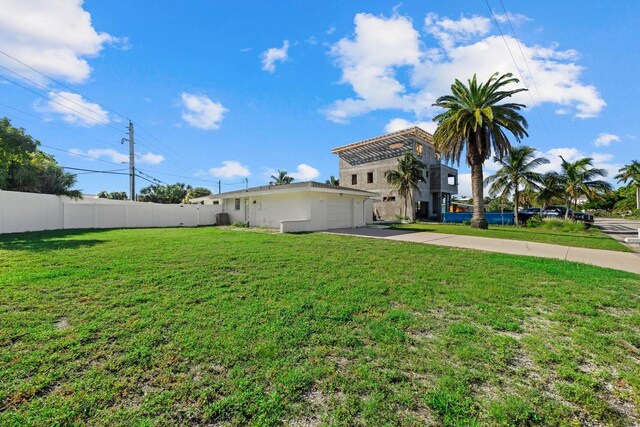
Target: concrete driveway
x: 624, y: 261
x: 619, y: 229
x: 378, y: 232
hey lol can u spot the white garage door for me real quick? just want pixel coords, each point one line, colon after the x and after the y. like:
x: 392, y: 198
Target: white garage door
x: 339, y: 213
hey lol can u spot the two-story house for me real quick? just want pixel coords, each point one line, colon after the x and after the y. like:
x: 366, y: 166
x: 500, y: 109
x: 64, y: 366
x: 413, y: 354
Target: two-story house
x: 363, y: 166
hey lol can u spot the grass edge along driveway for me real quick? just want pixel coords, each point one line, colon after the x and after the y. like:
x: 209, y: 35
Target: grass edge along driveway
x: 591, y: 238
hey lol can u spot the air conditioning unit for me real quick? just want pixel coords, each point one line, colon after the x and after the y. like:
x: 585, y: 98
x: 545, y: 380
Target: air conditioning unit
x: 222, y: 218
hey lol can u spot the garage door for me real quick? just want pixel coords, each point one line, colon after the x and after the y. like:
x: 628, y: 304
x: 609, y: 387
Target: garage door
x: 339, y: 213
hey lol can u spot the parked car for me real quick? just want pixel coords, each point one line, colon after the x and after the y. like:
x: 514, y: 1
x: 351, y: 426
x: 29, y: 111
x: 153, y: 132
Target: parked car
x: 532, y: 211
x: 560, y: 212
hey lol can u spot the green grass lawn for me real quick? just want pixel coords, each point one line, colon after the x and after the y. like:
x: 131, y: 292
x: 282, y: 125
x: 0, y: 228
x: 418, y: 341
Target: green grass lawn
x: 591, y: 238
x: 216, y: 327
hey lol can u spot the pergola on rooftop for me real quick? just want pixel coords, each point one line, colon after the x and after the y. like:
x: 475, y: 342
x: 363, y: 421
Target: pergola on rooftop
x: 383, y: 147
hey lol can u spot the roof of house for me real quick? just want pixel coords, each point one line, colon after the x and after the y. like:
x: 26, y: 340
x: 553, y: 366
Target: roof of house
x: 286, y: 188
x: 383, y: 147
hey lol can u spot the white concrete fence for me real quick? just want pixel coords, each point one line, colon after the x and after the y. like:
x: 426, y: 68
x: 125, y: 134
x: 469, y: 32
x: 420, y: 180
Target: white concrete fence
x: 21, y: 212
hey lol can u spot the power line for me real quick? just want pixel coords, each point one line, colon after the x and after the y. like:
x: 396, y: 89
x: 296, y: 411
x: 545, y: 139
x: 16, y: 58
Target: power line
x: 495, y: 20
x: 95, y: 170
x: 524, y: 57
x: 73, y: 153
x: 61, y: 84
x: 57, y: 93
x: 54, y: 124
x: 113, y: 170
x: 59, y: 103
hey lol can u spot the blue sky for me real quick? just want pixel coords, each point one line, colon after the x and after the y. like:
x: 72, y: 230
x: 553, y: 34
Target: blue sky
x: 233, y: 90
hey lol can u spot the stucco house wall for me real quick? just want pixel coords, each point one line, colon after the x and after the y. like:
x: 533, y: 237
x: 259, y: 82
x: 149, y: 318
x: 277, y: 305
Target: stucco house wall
x: 297, y: 207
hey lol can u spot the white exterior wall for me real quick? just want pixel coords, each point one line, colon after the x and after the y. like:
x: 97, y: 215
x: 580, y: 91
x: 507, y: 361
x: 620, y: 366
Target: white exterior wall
x: 301, y: 210
x: 21, y: 212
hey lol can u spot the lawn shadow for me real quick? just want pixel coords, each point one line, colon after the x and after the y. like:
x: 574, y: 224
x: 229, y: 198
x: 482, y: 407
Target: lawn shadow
x: 41, y: 241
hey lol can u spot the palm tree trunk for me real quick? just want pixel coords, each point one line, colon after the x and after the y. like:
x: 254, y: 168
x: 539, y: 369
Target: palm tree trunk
x: 477, y: 189
x: 515, y: 206
x: 405, y: 206
x: 638, y: 196
x: 412, y: 216
x: 566, y: 214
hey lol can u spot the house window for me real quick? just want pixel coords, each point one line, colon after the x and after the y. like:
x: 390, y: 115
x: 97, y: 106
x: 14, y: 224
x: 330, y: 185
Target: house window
x: 216, y: 202
x: 419, y: 150
x: 369, y: 177
x: 354, y: 179
x: 237, y: 207
x: 389, y: 199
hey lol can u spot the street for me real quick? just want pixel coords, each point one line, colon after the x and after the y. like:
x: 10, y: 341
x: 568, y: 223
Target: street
x: 619, y: 229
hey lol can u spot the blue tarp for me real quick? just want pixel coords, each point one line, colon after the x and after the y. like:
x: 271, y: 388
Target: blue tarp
x: 503, y: 218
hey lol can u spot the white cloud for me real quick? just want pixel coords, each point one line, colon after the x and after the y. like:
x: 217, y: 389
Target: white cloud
x: 150, y: 158
x: 305, y: 172
x: 230, y: 169
x: 449, y: 32
x: 118, y: 157
x: 201, y: 112
x: 605, y: 139
x: 383, y: 50
x: 516, y: 19
x: 55, y: 37
x: 273, y: 55
x: 369, y: 61
x: 571, y: 154
x: 396, y: 125
x: 72, y: 108
x: 331, y: 30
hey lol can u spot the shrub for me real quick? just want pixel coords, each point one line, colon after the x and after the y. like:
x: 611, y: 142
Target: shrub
x: 564, y: 225
x: 534, y: 221
x: 239, y: 224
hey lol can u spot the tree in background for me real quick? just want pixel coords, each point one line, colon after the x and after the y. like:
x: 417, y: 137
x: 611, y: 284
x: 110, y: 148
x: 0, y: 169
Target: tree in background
x: 517, y: 171
x: 167, y: 194
x: 631, y: 173
x: 114, y: 195
x: 405, y: 179
x: 281, y: 179
x: 24, y: 167
x: 195, y: 192
x: 332, y: 181
x: 579, y: 178
x: 474, y: 119
x: 551, y: 189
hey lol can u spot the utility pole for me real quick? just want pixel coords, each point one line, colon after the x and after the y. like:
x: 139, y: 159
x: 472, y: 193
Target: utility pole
x: 246, y: 183
x: 219, y: 186
x: 132, y: 168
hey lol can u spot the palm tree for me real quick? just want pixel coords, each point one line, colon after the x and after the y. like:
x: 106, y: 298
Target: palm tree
x: 332, y: 181
x: 516, y: 172
x: 631, y: 173
x: 550, y: 189
x: 281, y: 179
x: 474, y: 120
x: 578, y: 178
x: 406, y: 177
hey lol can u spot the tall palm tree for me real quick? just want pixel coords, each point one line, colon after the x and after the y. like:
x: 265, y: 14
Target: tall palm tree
x: 405, y: 178
x: 516, y: 173
x: 333, y: 181
x: 579, y: 178
x: 631, y: 173
x: 474, y: 119
x: 281, y: 179
x: 551, y: 188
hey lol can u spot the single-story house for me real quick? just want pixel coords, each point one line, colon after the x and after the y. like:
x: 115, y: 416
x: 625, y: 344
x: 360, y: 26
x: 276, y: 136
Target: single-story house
x: 301, y: 206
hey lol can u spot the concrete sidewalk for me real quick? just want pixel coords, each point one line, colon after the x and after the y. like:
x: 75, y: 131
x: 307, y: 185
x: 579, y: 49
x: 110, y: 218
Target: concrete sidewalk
x: 610, y: 259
